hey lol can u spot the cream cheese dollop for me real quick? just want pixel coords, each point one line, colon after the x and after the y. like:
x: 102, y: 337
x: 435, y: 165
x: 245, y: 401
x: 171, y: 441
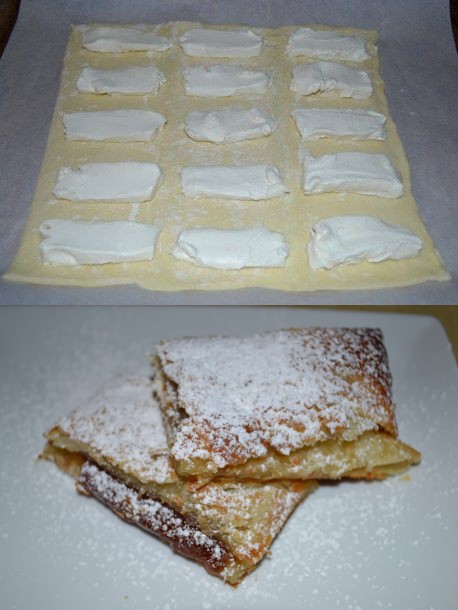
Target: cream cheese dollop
x: 114, y: 39
x: 328, y: 76
x: 77, y: 242
x: 349, y: 123
x: 351, y: 172
x: 123, y: 125
x: 135, y: 80
x: 231, y: 249
x: 223, y: 80
x: 344, y: 240
x: 132, y: 181
x: 248, y: 182
x: 229, y: 125
x: 199, y: 42
x: 327, y: 44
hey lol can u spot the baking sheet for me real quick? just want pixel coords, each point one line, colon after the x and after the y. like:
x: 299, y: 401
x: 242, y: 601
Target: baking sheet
x: 426, y: 129
x: 388, y: 544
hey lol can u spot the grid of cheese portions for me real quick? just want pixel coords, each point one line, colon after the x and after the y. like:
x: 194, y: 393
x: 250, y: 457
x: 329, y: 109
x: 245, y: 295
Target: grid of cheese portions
x: 252, y: 122
x: 343, y: 172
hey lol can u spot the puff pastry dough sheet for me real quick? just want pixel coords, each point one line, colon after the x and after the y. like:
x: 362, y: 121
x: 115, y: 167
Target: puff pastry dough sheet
x: 292, y: 215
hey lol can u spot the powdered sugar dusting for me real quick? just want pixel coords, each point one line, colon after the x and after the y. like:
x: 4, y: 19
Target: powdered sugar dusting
x: 122, y: 423
x: 282, y: 389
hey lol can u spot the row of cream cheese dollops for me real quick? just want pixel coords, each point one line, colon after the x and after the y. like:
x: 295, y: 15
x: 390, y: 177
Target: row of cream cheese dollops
x: 223, y: 126
x: 137, y: 181
x: 226, y: 80
x: 219, y: 43
x: 333, y: 241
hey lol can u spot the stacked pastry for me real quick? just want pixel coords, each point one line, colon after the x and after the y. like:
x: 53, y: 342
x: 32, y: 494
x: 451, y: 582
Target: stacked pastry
x: 215, y: 452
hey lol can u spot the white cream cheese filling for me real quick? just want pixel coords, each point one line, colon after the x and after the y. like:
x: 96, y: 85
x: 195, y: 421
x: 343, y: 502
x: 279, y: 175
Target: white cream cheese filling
x: 328, y: 76
x: 113, y: 125
x: 76, y: 242
x: 136, y: 80
x: 248, y: 182
x: 352, y: 239
x: 351, y: 123
x: 229, y: 125
x: 199, y: 42
x: 231, y: 249
x: 223, y: 80
x: 113, y: 39
x: 351, y: 172
x: 131, y: 181
x: 327, y: 44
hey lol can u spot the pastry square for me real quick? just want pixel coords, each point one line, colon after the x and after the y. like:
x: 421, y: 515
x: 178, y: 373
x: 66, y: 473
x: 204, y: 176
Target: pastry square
x: 290, y: 404
x: 115, y: 446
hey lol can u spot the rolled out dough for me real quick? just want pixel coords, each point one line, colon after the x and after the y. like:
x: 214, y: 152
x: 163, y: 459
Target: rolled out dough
x: 292, y: 215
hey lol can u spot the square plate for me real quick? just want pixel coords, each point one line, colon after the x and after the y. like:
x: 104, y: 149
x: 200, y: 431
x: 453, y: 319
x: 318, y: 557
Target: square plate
x: 389, y: 544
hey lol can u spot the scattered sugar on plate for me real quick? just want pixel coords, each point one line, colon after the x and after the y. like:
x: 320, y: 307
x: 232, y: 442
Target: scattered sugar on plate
x: 346, y: 546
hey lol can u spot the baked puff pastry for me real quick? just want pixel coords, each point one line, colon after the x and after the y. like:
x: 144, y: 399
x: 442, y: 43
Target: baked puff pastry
x: 116, y: 448
x: 291, y: 404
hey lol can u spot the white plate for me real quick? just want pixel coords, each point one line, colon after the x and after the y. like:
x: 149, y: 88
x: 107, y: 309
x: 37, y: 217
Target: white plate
x: 390, y: 544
